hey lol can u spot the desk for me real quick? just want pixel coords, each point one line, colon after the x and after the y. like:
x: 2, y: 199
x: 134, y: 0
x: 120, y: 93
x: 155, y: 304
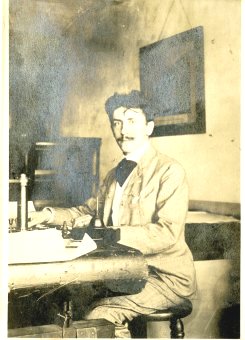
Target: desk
x: 38, y: 291
x: 116, y: 263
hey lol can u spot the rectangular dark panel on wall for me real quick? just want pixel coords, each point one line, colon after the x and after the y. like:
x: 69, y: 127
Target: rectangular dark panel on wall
x: 172, y: 78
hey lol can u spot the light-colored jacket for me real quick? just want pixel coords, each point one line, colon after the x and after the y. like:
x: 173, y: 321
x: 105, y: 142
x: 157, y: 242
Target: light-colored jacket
x: 152, y: 217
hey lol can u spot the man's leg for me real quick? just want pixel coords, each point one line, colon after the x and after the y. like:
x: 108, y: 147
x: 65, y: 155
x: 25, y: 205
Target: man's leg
x: 115, y: 314
x: 121, y: 309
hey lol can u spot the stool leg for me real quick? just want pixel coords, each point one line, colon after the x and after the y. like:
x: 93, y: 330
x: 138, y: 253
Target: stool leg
x: 177, y: 328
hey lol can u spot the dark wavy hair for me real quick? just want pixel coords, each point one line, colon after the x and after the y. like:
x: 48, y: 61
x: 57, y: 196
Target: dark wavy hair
x: 134, y: 99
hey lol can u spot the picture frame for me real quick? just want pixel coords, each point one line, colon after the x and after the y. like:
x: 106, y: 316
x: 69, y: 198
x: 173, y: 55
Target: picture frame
x: 172, y: 78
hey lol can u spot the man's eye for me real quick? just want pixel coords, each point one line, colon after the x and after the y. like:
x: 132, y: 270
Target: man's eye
x: 116, y: 123
x: 131, y: 121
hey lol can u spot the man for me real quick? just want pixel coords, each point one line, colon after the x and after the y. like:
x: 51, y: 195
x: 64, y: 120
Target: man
x: 149, y: 205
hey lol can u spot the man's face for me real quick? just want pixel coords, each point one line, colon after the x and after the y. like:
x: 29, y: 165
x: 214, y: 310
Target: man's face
x: 130, y: 128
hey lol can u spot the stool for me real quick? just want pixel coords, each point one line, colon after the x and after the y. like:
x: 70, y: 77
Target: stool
x: 174, y: 316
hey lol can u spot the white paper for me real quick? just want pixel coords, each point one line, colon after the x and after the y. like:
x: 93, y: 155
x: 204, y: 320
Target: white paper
x: 40, y: 246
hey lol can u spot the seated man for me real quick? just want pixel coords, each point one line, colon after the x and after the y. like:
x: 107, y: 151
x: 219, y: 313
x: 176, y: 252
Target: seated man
x: 146, y: 196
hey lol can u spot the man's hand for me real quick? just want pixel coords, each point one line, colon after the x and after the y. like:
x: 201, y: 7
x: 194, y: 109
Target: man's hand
x: 82, y: 221
x: 38, y: 217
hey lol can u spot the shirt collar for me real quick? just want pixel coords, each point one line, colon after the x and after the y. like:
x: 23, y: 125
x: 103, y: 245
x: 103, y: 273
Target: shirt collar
x: 137, y: 154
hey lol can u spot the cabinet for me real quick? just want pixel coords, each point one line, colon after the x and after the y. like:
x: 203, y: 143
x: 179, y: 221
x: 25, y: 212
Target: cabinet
x: 64, y: 172
x: 67, y: 171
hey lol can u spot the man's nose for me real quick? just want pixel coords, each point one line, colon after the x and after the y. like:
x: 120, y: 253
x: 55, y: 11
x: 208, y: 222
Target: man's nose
x: 124, y: 128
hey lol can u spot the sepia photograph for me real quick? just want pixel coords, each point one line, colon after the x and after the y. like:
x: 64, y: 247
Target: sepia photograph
x: 122, y: 169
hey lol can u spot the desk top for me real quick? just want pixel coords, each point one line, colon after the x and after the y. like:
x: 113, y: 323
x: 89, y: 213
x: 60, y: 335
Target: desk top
x: 113, y: 263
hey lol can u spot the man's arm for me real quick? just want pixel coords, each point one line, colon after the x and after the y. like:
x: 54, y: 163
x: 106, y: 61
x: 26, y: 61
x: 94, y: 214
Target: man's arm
x: 55, y: 215
x: 169, y: 217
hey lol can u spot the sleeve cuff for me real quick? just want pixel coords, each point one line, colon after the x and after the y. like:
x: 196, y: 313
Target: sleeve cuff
x: 51, y: 219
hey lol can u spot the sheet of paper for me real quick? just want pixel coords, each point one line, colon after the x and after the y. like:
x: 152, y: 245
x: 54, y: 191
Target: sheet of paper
x: 39, y: 246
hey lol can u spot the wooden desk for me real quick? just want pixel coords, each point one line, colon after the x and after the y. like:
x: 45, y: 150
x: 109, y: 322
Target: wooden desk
x: 116, y: 263
x: 38, y: 291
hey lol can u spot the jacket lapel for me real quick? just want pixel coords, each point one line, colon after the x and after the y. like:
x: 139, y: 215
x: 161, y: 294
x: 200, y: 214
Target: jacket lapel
x: 109, y: 199
x: 134, y: 185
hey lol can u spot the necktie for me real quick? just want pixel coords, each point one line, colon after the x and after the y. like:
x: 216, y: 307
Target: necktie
x: 123, y: 169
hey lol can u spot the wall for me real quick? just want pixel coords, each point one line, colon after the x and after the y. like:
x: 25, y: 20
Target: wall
x: 66, y: 59
x: 211, y: 160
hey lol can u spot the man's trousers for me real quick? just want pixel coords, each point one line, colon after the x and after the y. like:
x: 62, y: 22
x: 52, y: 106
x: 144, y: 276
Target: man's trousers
x: 120, y: 310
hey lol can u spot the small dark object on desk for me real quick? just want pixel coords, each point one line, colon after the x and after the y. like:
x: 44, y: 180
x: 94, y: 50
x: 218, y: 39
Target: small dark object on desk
x: 102, y: 235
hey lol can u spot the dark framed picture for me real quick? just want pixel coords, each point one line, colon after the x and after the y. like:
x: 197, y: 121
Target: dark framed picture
x: 172, y: 77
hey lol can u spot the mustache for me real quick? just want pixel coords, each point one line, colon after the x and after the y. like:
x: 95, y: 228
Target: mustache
x: 123, y: 139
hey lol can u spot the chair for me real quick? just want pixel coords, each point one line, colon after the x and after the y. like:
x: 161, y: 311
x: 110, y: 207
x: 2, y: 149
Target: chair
x: 173, y: 314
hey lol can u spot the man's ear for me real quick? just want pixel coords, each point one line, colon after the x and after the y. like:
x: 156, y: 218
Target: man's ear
x: 149, y: 127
